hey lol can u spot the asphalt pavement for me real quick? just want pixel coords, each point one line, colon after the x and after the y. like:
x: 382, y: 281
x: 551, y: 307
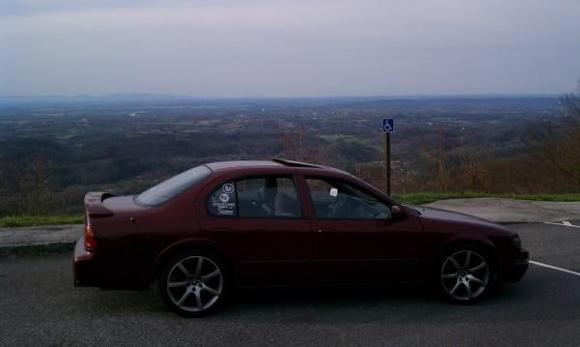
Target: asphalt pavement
x: 40, y: 306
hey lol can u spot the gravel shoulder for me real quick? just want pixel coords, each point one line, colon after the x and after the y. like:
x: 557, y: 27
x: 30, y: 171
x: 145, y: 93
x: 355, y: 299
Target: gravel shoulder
x: 512, y: 211
x: 39, y: 235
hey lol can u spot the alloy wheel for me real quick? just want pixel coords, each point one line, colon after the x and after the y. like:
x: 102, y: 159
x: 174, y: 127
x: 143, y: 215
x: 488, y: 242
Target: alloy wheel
x: 195, y: 283
x: 465, y: 275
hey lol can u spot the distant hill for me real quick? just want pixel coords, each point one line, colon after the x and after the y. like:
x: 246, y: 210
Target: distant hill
x: 397, y: 102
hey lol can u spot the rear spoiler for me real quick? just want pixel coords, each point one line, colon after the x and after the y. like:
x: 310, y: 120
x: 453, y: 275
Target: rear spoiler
x: 94, y: 204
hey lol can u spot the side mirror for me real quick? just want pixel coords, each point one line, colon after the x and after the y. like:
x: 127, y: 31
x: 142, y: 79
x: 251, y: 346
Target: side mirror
x: 397, y: 212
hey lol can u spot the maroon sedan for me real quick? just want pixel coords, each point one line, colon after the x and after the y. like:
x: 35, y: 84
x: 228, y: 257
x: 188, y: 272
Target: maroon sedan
x: 282, y: 223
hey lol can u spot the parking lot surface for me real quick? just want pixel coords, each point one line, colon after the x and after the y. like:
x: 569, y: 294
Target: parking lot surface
x: 40, y: 306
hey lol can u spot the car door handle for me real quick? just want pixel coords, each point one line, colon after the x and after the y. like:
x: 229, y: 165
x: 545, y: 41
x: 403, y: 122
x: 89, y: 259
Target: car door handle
x: 224, y: 231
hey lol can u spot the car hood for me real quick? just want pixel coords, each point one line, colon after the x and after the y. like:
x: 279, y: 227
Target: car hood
x: 439, y: 216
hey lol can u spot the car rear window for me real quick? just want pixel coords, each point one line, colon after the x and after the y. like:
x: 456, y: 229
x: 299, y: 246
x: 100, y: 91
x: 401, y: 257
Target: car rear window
x: 168, y: 189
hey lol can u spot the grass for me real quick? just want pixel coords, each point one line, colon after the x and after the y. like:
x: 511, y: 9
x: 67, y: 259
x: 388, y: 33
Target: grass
x: 30, y: 220
x: 425, y: 198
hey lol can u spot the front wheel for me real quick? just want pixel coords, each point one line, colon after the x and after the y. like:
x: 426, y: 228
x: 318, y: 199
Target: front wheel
x: 465, y: 275
x: 194, y: 283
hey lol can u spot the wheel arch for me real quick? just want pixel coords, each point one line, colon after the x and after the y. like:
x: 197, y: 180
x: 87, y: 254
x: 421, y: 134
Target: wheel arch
x: 434, y: 256
x: 183, y: 245
x: 478, y: 242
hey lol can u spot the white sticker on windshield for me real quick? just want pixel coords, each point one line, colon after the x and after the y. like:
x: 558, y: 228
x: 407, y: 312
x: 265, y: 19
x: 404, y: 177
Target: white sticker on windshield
x: 333, y: 192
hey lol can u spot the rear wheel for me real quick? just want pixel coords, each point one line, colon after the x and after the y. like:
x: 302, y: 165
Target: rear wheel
x: 194, y: 283
x: 466, y: 275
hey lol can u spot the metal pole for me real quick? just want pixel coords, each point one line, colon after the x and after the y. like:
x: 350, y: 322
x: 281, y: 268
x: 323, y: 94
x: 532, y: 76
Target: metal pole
x: 388, y: 163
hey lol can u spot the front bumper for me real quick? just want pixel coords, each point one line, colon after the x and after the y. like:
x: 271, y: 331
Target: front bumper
x: 515, y: 269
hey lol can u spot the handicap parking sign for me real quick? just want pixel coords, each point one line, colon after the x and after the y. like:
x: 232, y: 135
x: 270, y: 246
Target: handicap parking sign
x: 389, y: 125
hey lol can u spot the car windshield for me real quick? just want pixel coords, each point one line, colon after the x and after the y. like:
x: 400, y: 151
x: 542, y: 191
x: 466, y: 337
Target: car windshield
x: 168, y: 189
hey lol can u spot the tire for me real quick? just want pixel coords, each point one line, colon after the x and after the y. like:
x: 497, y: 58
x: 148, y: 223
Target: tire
x: 466, y: 274
x: 194, y: 283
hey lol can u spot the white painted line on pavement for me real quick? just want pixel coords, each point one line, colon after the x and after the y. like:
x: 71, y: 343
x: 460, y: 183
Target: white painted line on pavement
x: 564, y: 224
x: 555, y: 268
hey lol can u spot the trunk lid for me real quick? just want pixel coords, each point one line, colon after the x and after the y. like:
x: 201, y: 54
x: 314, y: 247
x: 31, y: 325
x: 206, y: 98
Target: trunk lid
x: 101, y: 204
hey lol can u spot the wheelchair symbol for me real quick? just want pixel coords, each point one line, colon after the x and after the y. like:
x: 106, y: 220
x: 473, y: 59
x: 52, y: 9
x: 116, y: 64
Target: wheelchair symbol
x: 388, y: 125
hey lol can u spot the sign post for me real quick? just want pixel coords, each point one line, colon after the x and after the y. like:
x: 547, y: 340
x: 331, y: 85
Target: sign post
x: 388, y: 128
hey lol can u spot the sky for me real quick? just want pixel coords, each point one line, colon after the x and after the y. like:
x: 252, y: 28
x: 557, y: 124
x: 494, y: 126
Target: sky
x: 298, y: 48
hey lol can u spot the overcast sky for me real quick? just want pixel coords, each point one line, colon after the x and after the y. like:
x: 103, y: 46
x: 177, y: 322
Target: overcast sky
x: 237, y: 48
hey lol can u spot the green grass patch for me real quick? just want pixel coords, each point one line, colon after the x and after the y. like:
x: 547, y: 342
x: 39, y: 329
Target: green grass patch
x: 425, y: 198
x: 31, y: 220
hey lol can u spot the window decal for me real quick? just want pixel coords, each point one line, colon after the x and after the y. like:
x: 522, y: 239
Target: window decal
x: 223, y: 201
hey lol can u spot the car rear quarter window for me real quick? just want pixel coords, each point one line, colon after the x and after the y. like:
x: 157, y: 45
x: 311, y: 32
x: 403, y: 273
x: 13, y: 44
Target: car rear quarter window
x: 169, y: 189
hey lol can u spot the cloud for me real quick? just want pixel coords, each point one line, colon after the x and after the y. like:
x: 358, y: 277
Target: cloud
x: 234, y: 48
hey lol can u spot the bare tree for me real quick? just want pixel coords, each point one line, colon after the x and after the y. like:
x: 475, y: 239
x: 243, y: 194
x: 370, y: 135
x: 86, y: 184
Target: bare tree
x: 474, y: 171
x: 435, y: 153
x: 563, y: 152
x: 298, y: 144
x: 571, y: 103
x: 35, y: 195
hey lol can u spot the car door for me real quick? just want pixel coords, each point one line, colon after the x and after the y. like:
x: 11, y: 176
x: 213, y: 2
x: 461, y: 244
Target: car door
x: 259, y: 221
x: 357, y: 240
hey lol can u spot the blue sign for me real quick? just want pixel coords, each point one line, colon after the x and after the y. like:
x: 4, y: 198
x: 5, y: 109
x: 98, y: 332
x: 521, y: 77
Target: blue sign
x: 388, y: 125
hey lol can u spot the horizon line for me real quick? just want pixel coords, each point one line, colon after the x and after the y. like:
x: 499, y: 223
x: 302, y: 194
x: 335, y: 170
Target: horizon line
x: 265, y: 97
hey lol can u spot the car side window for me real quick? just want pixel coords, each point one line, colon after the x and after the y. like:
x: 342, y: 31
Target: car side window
x: 341, y: 200
x: 257, y: 197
